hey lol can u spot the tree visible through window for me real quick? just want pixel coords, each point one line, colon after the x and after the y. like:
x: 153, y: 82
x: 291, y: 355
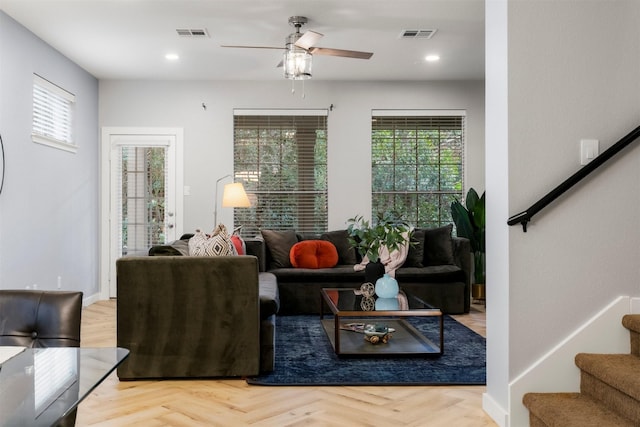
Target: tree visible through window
x: 282, y: 162
x: 417, y: 166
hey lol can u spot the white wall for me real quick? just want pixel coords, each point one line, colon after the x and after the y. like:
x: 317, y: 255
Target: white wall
x: 208, y: 134
x: 573, y: 72
x: 496, y: 398
x: 49, y: 205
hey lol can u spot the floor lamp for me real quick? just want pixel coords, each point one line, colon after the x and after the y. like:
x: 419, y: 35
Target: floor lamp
x: 233, y: 196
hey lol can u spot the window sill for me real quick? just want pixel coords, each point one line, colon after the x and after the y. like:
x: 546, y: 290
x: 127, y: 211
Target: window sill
x: 54, y: 143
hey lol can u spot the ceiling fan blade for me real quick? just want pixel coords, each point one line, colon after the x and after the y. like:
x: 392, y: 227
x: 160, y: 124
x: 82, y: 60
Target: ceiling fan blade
x: 308, y: 39
x: 340, y: 52
x: 254, y: 47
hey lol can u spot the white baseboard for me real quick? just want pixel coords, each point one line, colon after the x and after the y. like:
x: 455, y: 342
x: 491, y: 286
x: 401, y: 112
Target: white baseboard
x: 90, y: 300
x: 557, y: 372
x: 495, y: 411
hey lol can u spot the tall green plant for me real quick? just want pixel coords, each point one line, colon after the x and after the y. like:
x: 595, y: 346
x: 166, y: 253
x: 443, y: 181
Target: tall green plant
x: 470, y: 223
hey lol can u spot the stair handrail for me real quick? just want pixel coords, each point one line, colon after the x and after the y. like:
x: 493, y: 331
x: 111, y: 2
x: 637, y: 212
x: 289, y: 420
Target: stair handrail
x: 525, y: 216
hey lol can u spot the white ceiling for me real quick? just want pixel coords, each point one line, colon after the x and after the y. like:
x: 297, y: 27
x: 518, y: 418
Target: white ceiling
x: 128, y: 39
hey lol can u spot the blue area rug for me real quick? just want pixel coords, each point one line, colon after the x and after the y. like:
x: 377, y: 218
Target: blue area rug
x: 304, y: 356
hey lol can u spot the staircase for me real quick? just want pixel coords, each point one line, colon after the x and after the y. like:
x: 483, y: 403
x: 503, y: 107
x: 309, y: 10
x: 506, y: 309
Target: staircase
x: 609, y: 391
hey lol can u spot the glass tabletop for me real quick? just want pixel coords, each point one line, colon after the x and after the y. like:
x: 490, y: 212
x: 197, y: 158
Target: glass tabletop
x: 39, y: 386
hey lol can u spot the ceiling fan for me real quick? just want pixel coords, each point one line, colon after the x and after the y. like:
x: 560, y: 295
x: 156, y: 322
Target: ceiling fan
x: 299, y: 48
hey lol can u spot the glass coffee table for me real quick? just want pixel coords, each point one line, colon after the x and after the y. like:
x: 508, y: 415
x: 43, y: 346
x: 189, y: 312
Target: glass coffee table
x: 352, y: 312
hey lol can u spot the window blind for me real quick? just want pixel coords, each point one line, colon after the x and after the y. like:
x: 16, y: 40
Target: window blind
x: 282, y: 161
x: 417, y: 164
x: 52, y: 115
x: 142, y: 178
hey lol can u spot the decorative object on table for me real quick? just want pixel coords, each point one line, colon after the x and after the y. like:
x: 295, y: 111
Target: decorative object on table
x: 387, y: 304
x: 377, y: 333
x: 387, y: 287
x: 355, y: 327
x: 373, y: 271
x: 367, y: 291
x: 233, y: 196
x: 368, y: 303
x: 470, y: 223
x: 387, y: 231
x: 385, y: 242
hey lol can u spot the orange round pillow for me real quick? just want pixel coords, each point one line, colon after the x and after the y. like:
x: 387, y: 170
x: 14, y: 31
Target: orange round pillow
x: 313, y: 254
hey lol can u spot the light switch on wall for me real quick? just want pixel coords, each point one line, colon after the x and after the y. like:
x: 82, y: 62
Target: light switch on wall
x: 589, y: 149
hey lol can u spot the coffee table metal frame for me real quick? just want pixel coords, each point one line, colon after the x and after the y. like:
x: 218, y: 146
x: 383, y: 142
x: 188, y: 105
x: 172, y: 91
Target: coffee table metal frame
x: 339, y: 316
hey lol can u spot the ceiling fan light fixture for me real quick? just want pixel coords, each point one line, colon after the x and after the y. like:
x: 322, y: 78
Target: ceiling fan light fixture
x: 297, y: 63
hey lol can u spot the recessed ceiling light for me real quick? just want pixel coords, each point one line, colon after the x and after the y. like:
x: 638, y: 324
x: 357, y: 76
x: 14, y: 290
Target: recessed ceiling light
x: 171, y: 57
x: 432, y: 58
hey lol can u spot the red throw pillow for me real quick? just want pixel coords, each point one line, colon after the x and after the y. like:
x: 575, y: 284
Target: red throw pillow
x: 238, y: 243
x: 313, y: 254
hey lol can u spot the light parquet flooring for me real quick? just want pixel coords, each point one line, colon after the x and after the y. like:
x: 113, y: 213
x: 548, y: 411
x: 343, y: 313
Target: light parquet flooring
x: 232, y: 402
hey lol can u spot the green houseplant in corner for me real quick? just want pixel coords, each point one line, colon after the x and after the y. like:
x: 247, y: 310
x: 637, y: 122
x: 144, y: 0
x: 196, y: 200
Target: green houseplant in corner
x: 470, y: 223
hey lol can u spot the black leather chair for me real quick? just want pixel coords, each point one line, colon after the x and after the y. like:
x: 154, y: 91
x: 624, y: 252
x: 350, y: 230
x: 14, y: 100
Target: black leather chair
x: 41, y: 319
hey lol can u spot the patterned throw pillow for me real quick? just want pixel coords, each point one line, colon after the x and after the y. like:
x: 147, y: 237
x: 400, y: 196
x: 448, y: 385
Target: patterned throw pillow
x: 217, y: 244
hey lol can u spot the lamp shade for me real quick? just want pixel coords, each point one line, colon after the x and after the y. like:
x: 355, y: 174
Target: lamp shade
x: 234, y: 196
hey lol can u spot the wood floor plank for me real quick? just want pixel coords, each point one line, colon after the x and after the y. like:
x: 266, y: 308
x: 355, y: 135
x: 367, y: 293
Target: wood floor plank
x: 232, y: 402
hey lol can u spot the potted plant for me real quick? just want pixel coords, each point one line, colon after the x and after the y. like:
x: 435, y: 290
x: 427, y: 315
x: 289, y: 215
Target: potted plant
x: 368, y: 238
x: 387, y: 230
x: 470, y: 223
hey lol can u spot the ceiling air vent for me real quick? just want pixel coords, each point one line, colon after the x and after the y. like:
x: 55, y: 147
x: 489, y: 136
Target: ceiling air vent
x: 191, y: 32
x: 417, y: 34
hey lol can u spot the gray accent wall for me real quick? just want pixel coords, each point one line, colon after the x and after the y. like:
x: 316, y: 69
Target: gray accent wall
x: 49, y: 205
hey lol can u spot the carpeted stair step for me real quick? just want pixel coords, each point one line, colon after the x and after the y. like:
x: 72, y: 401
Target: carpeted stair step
x: 632, y: 323
x: 612, y: 380
x: 570, y: 410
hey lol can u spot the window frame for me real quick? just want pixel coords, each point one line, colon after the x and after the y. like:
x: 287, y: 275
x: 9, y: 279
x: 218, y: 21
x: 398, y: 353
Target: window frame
x: 311, y: 182
x: 55, y: 105
x: 414, y: 197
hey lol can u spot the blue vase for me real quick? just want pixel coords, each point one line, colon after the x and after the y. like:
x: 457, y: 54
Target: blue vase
x: 383, y: 304
x: 387, y: 287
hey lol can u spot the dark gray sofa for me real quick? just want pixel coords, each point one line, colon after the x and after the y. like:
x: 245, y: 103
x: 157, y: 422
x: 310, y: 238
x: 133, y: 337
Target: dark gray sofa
x: 189, y: 317
x: 445, y: 286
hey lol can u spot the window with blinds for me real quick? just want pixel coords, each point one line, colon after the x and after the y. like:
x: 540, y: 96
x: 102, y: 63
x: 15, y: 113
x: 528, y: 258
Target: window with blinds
x: 417, y: 164
x: 52, y: 115
x: 281, y: 158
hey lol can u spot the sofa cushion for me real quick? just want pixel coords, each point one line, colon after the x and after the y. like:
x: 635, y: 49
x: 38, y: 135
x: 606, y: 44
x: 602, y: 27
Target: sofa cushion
x: 279, y: 245
x: 415, y: 256
x: 431, y: 274
x: 337, y: 274
x: 238, y: 245
x: 269, y: 295
x: 313, y: 254
x: 177, y: 248
x: 340, y: 239
x: 217, y: 244
x: 438, y: 246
